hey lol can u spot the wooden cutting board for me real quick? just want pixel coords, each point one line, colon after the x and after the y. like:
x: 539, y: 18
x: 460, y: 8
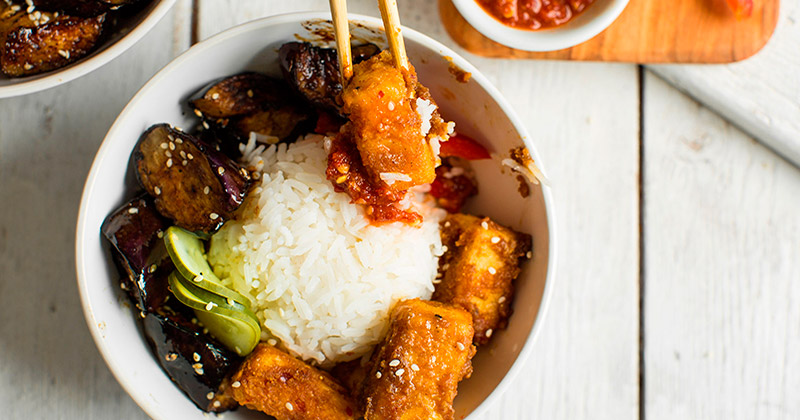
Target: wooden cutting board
x: 647, y: 31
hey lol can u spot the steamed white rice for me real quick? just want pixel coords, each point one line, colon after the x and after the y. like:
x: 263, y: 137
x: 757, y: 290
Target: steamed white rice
x: 321, y: 278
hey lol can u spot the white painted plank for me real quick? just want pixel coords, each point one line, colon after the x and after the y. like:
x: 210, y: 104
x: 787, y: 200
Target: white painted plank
x: 761, y: 95
x: 49, y: 366
x: 585, y: 119
x: 722, y: 264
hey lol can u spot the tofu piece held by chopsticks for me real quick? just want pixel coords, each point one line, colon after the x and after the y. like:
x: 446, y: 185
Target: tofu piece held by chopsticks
x: 416, y: 369
x: 286, y: 388
x: 482, y: 260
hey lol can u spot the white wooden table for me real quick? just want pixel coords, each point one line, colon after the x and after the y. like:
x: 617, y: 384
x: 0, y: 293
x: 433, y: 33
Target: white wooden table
x: 677, y: 295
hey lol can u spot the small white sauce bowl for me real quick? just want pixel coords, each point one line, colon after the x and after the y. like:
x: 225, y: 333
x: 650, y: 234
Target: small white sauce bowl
x: 595, y: 19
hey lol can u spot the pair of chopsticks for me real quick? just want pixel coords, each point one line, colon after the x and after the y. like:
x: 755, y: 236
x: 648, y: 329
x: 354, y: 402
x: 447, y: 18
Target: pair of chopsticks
x: 391, y: 24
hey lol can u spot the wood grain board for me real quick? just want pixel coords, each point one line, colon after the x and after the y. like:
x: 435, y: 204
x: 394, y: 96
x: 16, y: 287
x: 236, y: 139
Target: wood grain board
x: 647, y: 31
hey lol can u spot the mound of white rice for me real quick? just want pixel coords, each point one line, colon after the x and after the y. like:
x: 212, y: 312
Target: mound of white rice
x: 322, y: 279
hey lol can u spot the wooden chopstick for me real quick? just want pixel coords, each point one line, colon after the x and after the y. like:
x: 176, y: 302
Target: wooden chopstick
x: 391, y: 23
x: 341, y: 29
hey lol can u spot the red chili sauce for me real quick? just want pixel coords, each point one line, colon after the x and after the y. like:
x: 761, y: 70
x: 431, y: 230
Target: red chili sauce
x: 534, y: 14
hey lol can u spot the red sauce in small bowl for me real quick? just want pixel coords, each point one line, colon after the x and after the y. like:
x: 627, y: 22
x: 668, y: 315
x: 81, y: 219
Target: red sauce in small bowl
x: 534, y: 14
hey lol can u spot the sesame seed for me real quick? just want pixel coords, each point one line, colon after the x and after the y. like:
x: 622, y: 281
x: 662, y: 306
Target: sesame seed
x: 484, y: 225
x: 210, y: 306
x: 152, y: 268
x: 205, y: 125
x: 189, y: 155
x: 164, y: 146
x: 215, y: 96
x: 157, y: 190
x: 217, y: 404
x: 198, y: 278
x: 249, y: 93
x: 160, y: 234
x: 437, y: 280
x: 492, y: 270
x: 213, y: 216
x: 444, y: 248
x: 272, y: 342
x: 198, y: 368
x: 341, y: 179
x: 196, y: 357
x: 460, y: 346
x: 168, y: 154
x: 183, y: 154
x: 198, y: 113
x: 170, y: 357
x: 133, y: 210
x: 400, y: 372
x: 27, y: 66
x: 220, y: 170
x: 446, y: 224
x: 62, y: 53
x: 289, y: 406
x: 210, y: 396
x: 394, y: 363
x: 495, y: 239
x: 391, y: 106
x: 502, y: 299
x: 489, y: 332
x: 414, y: 367
x: 185, y: 162
x: 171, y: 145
x: 433, y: 359
x: 445, y: 267
x: 529, y: 254
x: 236, y: 384
x: 169, y: 163
x: 171, y: 137
x: 206, y: 190
x: 178, y: 141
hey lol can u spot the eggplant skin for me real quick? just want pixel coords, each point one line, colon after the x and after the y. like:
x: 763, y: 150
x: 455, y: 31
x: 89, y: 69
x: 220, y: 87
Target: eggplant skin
x: 193, y: 184
x: 84, y: 8
x: 133, y: 231
x: 195, y: 363
x: 314, y: 72
x: 29, y: 48
x: 241, y: 94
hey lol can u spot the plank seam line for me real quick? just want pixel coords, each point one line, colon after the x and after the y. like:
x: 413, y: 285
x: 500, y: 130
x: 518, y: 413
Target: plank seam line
x: 642, y: 410
x: 194, y: 35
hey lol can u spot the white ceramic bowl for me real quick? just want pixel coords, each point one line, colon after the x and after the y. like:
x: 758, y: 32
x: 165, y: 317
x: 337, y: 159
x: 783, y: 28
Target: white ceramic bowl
x: 124, y: 35
x: 596, y: 18
x: 476, y: 107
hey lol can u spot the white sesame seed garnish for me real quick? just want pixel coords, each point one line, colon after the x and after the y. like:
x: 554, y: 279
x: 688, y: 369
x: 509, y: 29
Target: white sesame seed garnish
x: 169, y: 163
x: 502, y: 299
x: 168, y: 154
x: 444, y: 248
x: 460, y: 346
x: 183, y: 154
x: 484, y: 225
x: 205, y: 125
x: 198, y: 113
x: 495, y: 239
x: 171, y: 137
x: 171, y: 145
x: 210, y: 396
x: 198, y: 278
x: 445, y: 267
x: 213, y: 216
x: 206, y: 190
x: 433, y: 359
x: 400, y: 372
x: 62, y: 53
x: 414, y: 367
x: 489, y: 332
x: 160, y: 234
x: 178, y: 141
x: 152, y: 268
x: 249, y: 93
x: 27, y: 66
x: 210, y: 306
x: 220, y: 170
x: 133, y: 210
x: 185, y: 162
x: 289, y: 406
x: 189, y: 155
x: 215, y: 96
x: 236, y: 384
x: 446, y: 224
x: 272, y: 342
x: 198, y: 368
x: 164, y: 145
x: 492, y: 270
x: 391, y: 106
x: 157, y: 190
x: 196, y: 357
x: 171, y: 357
x: 529, y: 254
x: 217, y: 404
x: 394, y: 363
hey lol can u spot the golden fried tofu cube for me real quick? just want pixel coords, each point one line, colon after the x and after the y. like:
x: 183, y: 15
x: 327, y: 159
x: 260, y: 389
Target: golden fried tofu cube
x: 482, y: 260
x: 415, y: 371
x: 33, y: 46
x: 286, y: 388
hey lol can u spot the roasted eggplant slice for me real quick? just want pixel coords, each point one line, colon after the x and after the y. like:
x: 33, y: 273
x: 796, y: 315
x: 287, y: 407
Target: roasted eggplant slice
x: 314, y: 72
x: 134, y: 232
x: 192, y: 360
x: 193, y: 184
x: 49, y: 42
x: 240, y: 94
x: 84, y: 8
x: 281, y: 123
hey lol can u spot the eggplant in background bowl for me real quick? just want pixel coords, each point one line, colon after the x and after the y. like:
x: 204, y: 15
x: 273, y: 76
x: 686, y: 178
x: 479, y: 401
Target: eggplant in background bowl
x: 478, y: 110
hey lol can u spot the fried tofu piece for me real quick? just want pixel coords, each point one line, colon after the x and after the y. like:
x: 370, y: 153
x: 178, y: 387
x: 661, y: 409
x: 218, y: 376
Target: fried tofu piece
x: 415, y: 371
x: 286, y: 388
x: 380, y: 101
x: 482, y: 260
x: 49, y: 42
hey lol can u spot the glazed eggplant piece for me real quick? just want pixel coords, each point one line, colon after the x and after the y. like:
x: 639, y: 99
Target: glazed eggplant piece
x: 241, y: 94
x: 314, y: 72
x: 134, y: 233
x: 84, y: 8
x: 196, y: 363
x: 30, y: 47
x: 195, y: 185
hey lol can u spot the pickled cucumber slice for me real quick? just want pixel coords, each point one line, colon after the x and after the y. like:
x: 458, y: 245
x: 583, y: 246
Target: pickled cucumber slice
x: 230, y: 322
x: 187, y: 253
